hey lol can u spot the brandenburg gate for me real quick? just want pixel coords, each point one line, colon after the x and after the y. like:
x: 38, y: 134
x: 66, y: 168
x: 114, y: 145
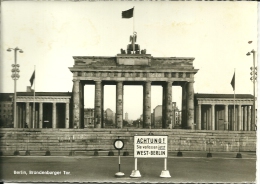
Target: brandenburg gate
x: 133, y: 67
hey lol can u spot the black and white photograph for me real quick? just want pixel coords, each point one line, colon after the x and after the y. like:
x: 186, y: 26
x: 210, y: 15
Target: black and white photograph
x: 128, y: 91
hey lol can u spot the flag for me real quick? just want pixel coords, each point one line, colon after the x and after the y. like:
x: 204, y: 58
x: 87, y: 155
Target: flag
x: 128, y: 13
x: 32, y: 78
x: 233, y: 82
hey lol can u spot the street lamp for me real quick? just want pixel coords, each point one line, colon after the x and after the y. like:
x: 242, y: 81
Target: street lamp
x: 253, y: 79
x: 15, y: 76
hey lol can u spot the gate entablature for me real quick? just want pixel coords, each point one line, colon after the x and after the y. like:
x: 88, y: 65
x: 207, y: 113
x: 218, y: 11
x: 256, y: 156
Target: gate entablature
x: 136, y: 67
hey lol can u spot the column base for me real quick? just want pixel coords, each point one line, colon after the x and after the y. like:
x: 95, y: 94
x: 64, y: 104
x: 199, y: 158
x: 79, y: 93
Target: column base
x: 165, y: 174
x: 119, y: 174
x: 135, y: 174
x: 98, y: 126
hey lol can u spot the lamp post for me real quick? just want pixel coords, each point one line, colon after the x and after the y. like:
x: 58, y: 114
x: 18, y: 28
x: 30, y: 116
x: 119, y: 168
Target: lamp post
x: 15, y: 76
x: 253, y: 79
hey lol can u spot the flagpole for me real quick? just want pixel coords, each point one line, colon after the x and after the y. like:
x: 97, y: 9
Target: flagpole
x: 234, y: 95
x: 133, y: 30
x: 133, y: 19
x: 34, y: 98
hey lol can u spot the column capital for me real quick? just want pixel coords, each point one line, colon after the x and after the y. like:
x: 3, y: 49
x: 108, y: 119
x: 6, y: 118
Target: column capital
x: 147, y: 81
x: 75, y: 80
x: 97, y: 81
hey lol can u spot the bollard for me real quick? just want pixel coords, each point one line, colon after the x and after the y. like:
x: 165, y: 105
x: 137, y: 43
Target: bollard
x: 95, y: 153
x: 126, y: 153
x: 179, y: 154
x: 47, y: 153
x: 239, y: 155
x: 110, y: 153
x: 71, y: 153
x: 209, y: 155
x: 27, y: 153
x: 16, y: 153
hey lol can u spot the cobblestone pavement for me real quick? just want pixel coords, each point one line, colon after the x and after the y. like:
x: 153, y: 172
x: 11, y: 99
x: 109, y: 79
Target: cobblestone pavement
x: 191, y: 167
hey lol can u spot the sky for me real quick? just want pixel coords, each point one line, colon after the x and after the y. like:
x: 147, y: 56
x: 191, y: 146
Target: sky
x: 50, y: 33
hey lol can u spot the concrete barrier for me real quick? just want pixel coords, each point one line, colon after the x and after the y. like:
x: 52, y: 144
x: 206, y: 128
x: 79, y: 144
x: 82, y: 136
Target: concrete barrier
x: 67, y: 140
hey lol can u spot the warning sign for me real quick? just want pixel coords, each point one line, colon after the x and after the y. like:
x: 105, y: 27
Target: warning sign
x: 150, y: 146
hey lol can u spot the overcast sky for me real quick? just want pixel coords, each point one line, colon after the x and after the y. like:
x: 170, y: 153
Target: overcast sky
x: 216, y: 34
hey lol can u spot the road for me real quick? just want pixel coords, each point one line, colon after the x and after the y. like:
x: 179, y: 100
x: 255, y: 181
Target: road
x: 221, y: 168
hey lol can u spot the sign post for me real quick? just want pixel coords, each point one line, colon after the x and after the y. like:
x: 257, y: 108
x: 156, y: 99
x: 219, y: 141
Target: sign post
x: 119, y: 144
x: 154, y: 146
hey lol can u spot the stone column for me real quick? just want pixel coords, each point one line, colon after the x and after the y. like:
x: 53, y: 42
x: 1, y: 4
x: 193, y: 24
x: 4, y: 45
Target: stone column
x: 76, y: 104
x: 252, y: 119
x: 184, y: 106
x: 204, y: 120
x: 234, y: 119
x: 248, y: 118
x: 163, y: 106
x: 199, y: 117
x: 229, y: 119
x: 239, y: 123
x: 67, y: 116
x: 102, y: 107
x: 27, y: 114
x: 36, y: 118
x: 18, y: 117
x: 217, y: 115
x: 213, y: 117
x: 98, y: 103
x: 190, y: 106
x: 242, y: 118
x: 226, y: 123
x: 40, y: 114
x: 209, y: 118
x: 54, y: 124
x: 168, y: 105
x: 245, y: 118
x: 147, y: 105
x: 119, y: 104
x: 81, y: 97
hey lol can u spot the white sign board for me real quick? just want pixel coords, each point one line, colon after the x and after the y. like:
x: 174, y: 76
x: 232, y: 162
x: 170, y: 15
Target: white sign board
x: 150, y: 146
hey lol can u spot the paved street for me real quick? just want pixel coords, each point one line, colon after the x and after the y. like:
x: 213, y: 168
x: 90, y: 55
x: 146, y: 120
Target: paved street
x: 222, y: 167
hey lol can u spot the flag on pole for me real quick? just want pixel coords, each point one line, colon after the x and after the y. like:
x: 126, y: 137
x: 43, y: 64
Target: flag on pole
x: 233, y: 82
x: 128, y: 13
x: 32, y: 78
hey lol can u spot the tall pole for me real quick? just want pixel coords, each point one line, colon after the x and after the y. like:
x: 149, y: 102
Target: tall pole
x: 15, y: 76
x: 34, y: 125
x: 254, y: 78
x: 15, y: 62
x: 234, y: 100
